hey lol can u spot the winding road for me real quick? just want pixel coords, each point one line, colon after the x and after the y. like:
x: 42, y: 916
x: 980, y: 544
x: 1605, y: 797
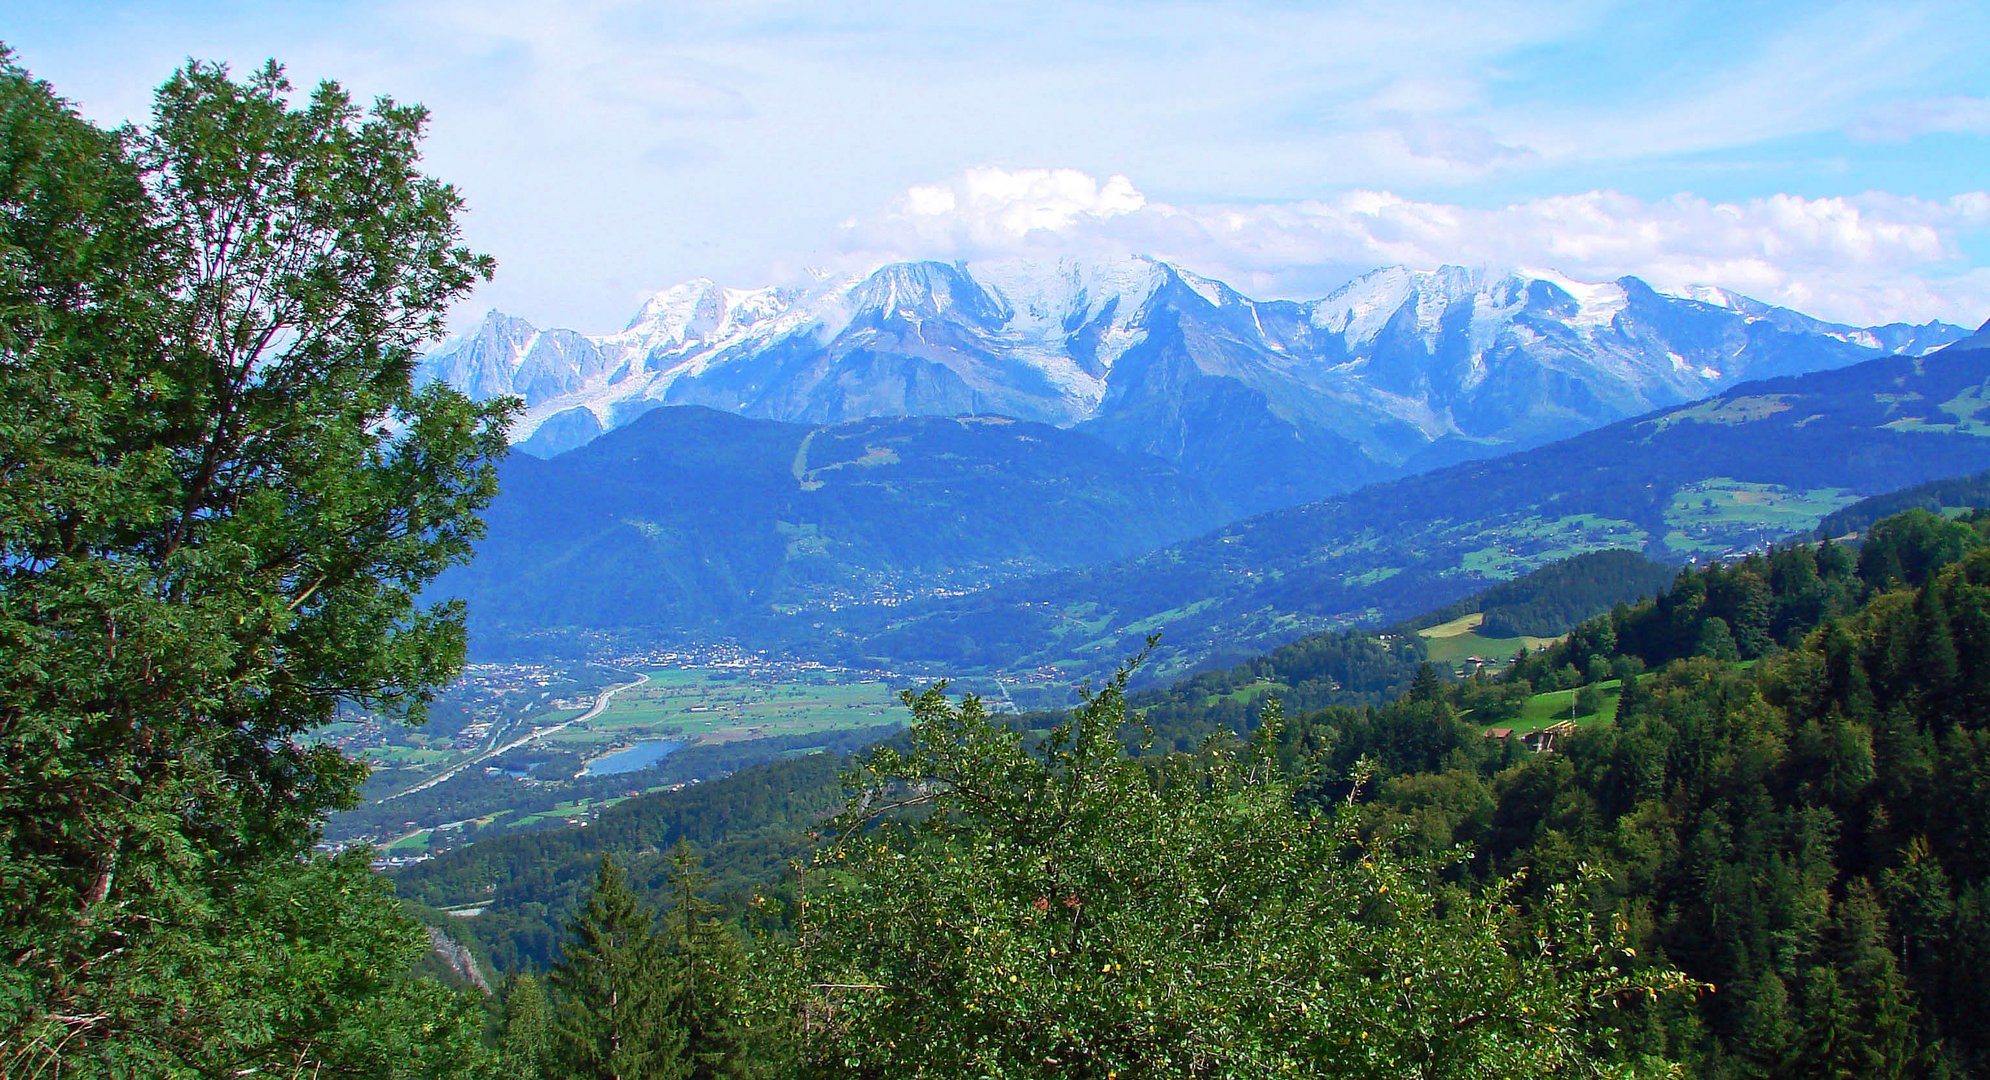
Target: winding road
x: 601, y: 701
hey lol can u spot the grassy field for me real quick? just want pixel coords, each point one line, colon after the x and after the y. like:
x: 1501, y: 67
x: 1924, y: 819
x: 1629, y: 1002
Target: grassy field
x: 1548, y: 709
x: 1725, y: 411
x: 1452, y: 642
x: 1717, y: 515
x: 1553, y: 707
x: 1529, y: 543
x: 1248, y: 693
x: 1962, y: 410
x: 730, y: 705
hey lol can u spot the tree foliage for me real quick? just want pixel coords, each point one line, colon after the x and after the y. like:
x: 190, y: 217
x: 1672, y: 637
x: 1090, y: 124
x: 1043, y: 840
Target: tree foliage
x: 1807, y: 834
x: 220, y: 495
x: 610, y: 1017
x: 999, y: 906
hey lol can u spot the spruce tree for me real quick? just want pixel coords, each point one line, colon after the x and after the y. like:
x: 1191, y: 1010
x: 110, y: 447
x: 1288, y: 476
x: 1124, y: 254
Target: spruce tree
x: 610, y: 1019
x: 525, y: 1045
x: 705, y: 966
x: 1863, y: 951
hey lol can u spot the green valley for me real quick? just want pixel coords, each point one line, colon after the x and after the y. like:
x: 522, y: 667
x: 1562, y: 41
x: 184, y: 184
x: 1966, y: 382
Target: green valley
x: 549, y: 759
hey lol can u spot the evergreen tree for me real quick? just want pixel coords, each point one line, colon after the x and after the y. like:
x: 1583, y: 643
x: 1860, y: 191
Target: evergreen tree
x: 1752, y: 624
x: 1831, y: 1045
x: 1768, y: 1029
x: 706, y: 967
x: 610, y: 1017
x: 1861, y: 949
x: 1937, y: 667
x: 1427, y: 685
x: 525, y: 1044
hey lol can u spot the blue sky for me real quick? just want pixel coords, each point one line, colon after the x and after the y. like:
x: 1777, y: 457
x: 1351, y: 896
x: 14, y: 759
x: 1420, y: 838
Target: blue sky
x: 1831, y: 157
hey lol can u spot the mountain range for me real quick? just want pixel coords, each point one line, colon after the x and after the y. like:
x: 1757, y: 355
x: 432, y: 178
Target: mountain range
x: 1273, y: 403
x: 969, y: 545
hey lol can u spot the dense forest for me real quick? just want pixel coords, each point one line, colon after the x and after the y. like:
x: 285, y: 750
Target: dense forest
x: 1546, y: 602
x: 1936, y: 496
x: 1790, y: 804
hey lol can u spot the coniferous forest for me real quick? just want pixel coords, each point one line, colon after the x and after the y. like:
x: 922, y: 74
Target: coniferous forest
x: 1759, y: 848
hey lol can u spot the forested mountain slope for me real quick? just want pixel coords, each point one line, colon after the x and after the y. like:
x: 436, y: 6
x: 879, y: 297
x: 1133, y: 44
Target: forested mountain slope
x: 1802, y: 835
x: 692, y: 519
x: 1936, y: 496
x: 751, y: 822
x: 1806, y: 834
x: 1763, y: 461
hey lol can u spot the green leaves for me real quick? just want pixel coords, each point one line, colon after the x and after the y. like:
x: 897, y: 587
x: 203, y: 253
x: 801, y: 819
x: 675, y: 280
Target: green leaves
x: 294, y: 966
x: 1005, y: 906
x: 219, y: 498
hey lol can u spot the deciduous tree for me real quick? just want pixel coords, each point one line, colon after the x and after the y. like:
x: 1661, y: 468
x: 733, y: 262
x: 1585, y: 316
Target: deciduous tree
x: 220, y: 496
x: 1053, y: 907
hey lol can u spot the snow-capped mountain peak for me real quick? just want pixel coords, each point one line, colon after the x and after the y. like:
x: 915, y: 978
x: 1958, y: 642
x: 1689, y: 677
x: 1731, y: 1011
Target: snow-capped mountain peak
x: 1396, y: 364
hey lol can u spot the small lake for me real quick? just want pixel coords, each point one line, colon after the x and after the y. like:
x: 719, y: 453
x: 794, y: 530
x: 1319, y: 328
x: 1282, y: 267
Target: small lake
x: 640, y: 756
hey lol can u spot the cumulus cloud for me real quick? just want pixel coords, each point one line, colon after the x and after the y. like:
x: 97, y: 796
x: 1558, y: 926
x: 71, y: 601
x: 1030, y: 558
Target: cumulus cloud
x: 1863, y: 259
x: 990, y: 207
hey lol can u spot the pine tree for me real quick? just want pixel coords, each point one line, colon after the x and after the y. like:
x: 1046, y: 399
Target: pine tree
x: 1865, y: 954
x: 1767, y: 1028
x: 1859, y: 1012
x: 1831, y: 1038
x: 609, y: 1010
x: 1426, y: 685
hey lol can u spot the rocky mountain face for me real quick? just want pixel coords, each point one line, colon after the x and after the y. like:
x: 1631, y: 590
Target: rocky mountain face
x: 1272, y: 402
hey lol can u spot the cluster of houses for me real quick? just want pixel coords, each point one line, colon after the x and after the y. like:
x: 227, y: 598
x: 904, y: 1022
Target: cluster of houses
x: 1541, y: 741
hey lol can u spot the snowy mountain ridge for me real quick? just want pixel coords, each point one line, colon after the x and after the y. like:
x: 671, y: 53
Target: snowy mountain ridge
x: 1399, y: 368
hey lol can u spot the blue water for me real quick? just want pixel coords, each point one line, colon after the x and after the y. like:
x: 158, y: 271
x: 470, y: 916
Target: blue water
x: 640, y: 756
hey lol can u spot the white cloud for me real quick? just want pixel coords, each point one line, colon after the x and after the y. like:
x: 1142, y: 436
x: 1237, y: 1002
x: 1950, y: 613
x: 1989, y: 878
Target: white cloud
x: 1862, y: 259
x: 992, y: 206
